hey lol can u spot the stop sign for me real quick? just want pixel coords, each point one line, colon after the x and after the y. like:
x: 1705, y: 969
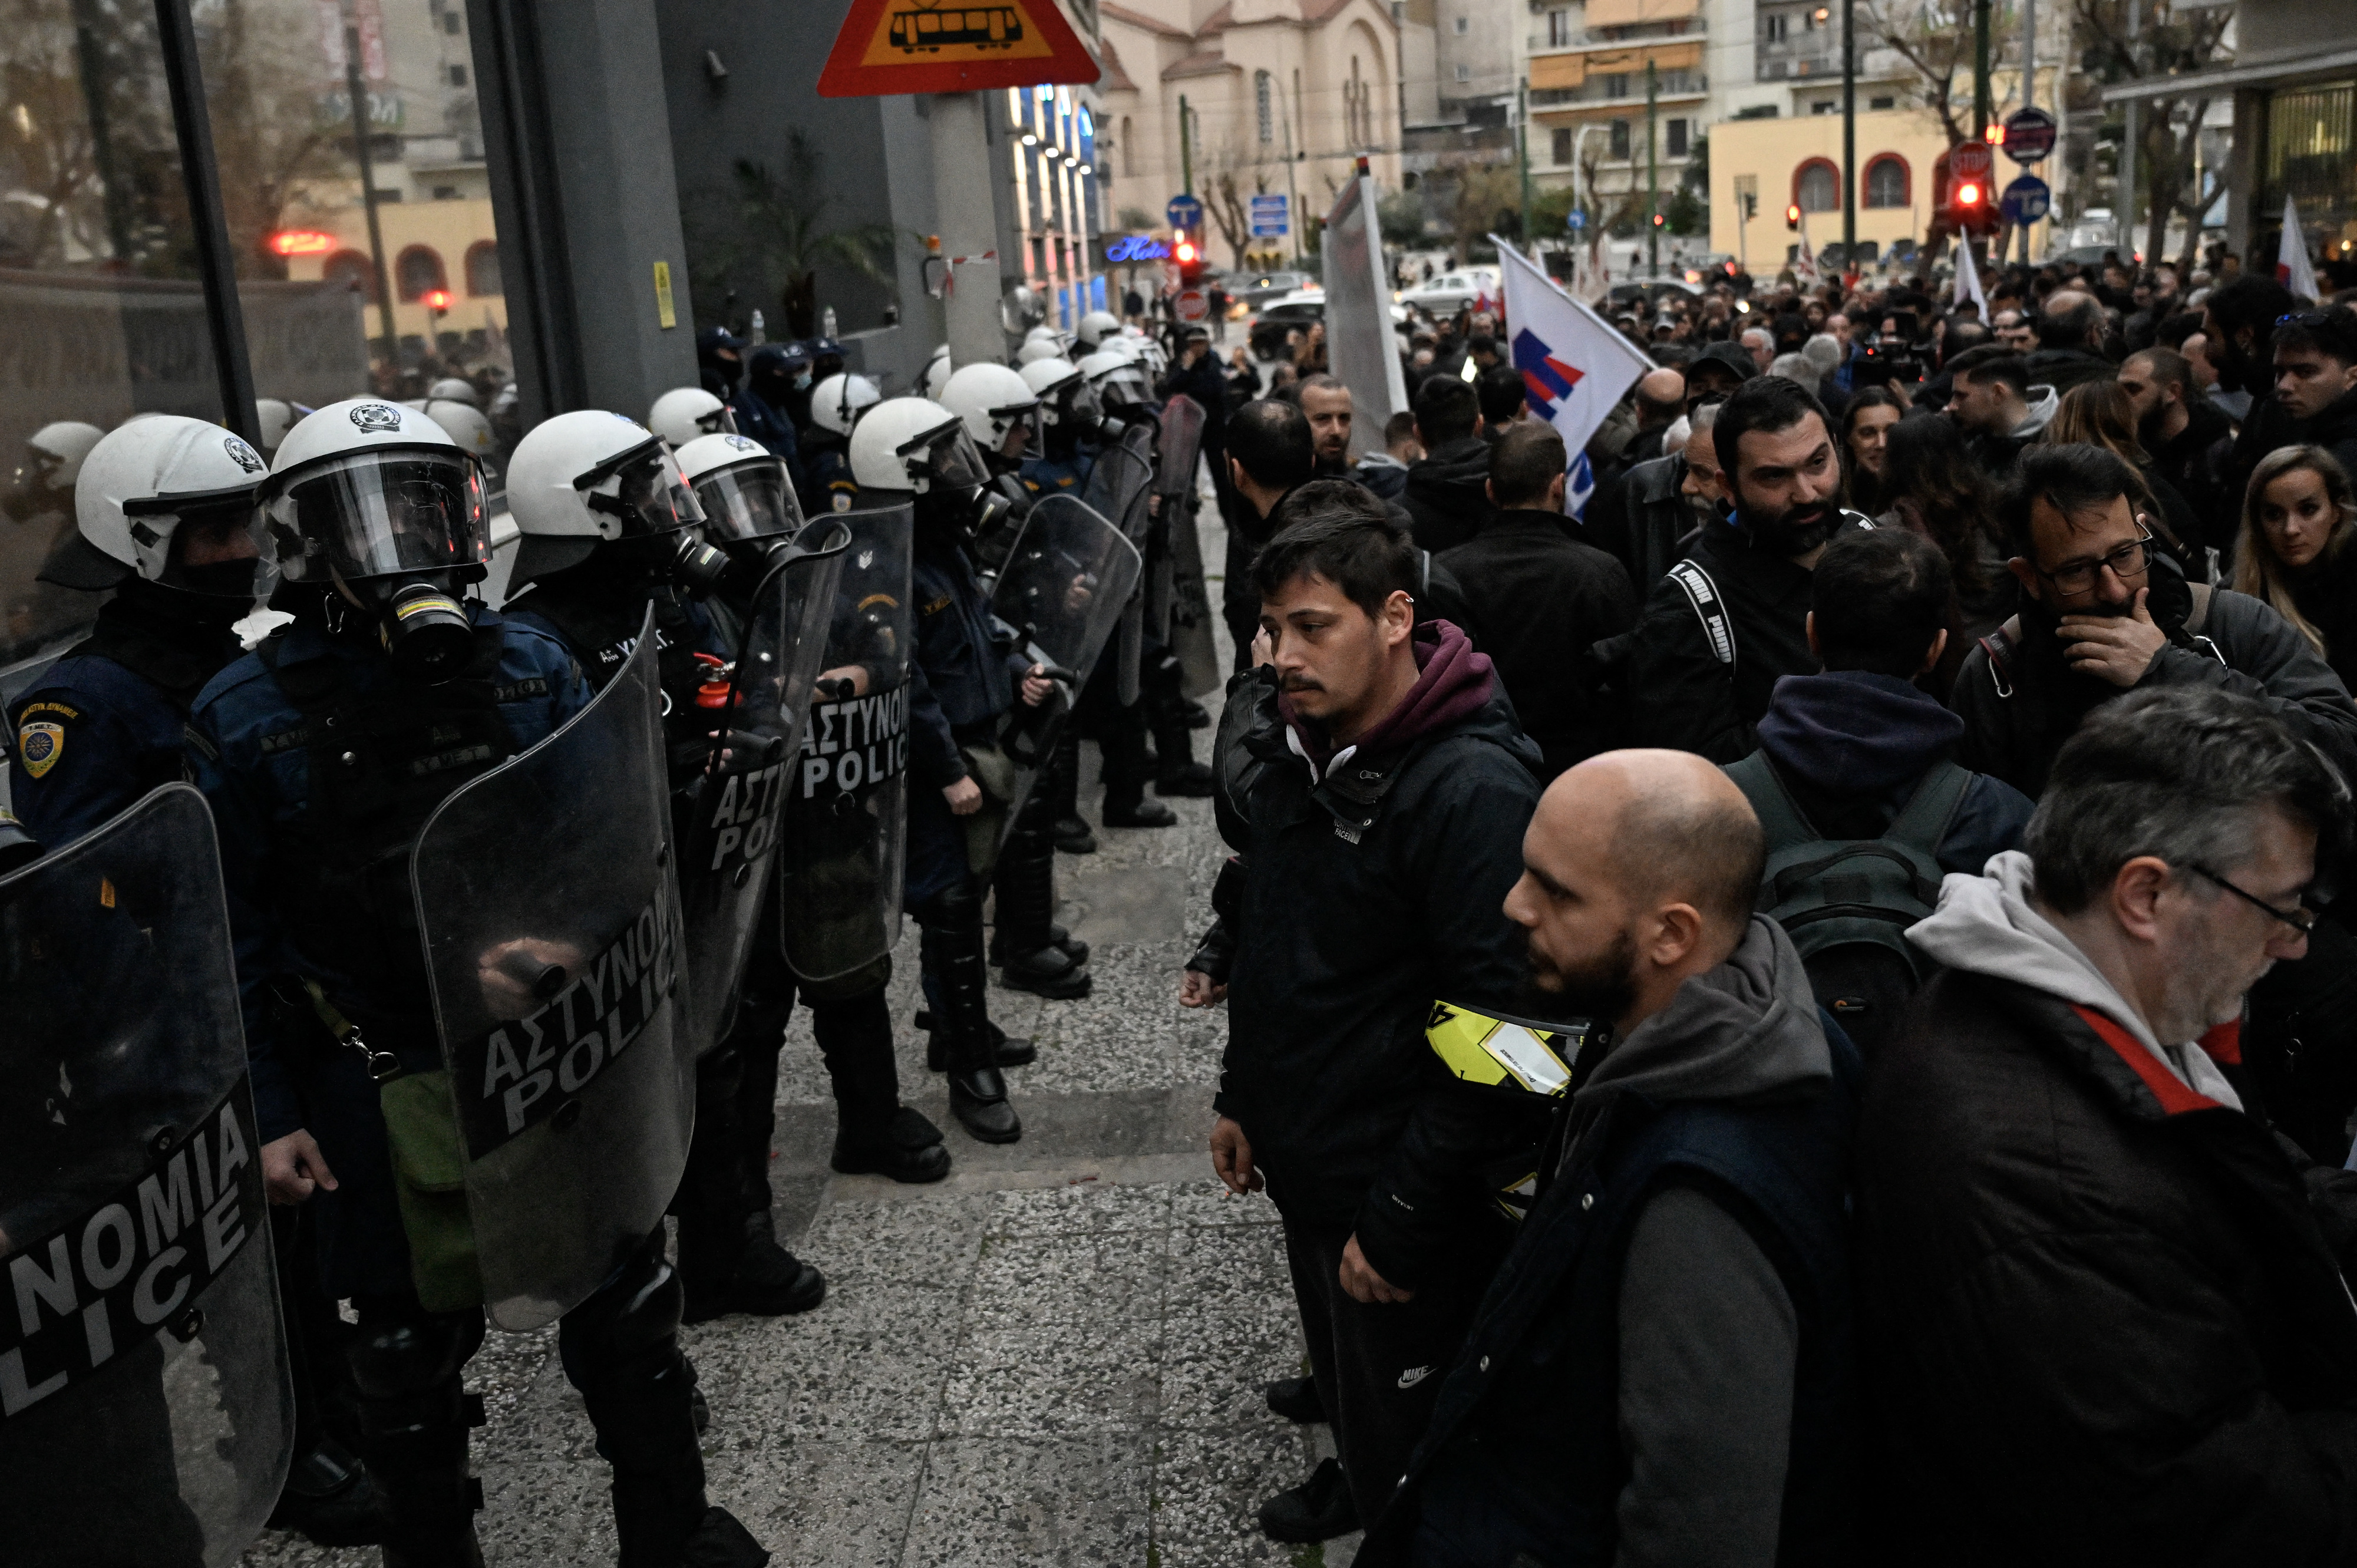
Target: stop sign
x: 1970, y: 160
x: 1193, y: 305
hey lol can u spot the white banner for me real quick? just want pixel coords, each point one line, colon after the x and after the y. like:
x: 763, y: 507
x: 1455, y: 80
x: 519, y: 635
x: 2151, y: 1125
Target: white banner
x: 1575, y: 366
x: 1360, y: 343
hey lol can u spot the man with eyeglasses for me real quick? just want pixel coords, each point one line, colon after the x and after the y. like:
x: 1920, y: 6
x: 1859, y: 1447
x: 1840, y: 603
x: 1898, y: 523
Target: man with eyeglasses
x: 2102, y: 1311
x: 2104, y: 612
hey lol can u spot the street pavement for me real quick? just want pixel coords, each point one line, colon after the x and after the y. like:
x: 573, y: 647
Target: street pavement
x: 1053, y: 1358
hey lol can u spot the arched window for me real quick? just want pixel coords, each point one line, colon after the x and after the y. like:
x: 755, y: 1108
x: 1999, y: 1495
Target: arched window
x: 1816, y: 186
x: 1886, y: 181
x: 352, y: 269
x: 483, y: 269
x: 416, y: 273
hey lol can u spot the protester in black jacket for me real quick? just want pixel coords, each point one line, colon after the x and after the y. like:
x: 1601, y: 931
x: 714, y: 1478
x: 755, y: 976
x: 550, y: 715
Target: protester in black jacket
x: 1376, y: 786
x: 1730, y: 620
x: 2180, y: 430
x: 2316, y: 379
x: 2103, y: 1316
x: 2102, y: 613
x: 1269, y: 454
x: 1666, y: 503
x: 2070, y: 342
x: 1545, y: 595
x: 1446, y: 495
x: 2238, y: 325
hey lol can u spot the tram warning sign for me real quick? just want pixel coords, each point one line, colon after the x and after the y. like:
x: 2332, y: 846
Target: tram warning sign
x: 887, y: 47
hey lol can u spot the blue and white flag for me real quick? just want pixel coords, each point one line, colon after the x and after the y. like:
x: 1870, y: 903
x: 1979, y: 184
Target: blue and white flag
x: 1575, y: 366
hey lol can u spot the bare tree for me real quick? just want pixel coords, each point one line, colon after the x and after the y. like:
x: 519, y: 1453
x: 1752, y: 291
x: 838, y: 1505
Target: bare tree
x: 1934, y: 38
x: 2169, y: 40
x: 1227, y: 210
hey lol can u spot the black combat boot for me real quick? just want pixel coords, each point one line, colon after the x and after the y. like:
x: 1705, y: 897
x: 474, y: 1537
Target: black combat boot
x: 1025, y: 938
x: 331, y: 1500
x: 414, y: 1417
x: 875, y: 1134
x: 953, y: 948
x: 1063, y: 781
x: 1008, y: 1050
x: 1177, y: 772
x: 1126, y: 773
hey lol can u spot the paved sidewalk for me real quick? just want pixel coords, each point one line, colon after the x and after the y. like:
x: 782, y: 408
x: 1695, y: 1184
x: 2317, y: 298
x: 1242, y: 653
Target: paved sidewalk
x: 1055, y: 1357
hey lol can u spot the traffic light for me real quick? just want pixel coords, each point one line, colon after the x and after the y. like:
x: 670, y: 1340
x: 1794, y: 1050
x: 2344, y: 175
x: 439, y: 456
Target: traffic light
x: 1793, y: 218
x: 1189, y: 255
x: 1660, y: 219
x: 1969, y: 208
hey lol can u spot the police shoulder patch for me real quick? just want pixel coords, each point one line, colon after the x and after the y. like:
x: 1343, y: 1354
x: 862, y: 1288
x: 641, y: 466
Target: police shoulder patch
x: 39, y: 743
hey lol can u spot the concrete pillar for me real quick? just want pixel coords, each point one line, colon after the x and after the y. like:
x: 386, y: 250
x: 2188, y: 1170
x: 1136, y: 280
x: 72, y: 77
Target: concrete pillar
x: 962, y: 205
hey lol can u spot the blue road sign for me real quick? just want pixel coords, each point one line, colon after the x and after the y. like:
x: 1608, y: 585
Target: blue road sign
x: 2026, y: 200
x: 1268, y: 216
x: 1184, y: 212
x: 1577, y: 222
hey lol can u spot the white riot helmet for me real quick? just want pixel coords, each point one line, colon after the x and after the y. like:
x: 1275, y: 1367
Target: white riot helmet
x: 838, y: 401
x: 590, y: 478
x: 1038, y: 348
x: 54, y: 454
x: 742, y: 487
x: 1066, y: 403
x: 937, y: 374
x: 1119, y: 380
x: 913, y: 444
x: 148, y: 484
x: 455, y: 388
x: 1000, y: 410
x: 465, y: 425
x: 689, y: 413
x: 276, y: 416
x: 377, y: 498
x: 1095, y: 326
x: 1040, y: 335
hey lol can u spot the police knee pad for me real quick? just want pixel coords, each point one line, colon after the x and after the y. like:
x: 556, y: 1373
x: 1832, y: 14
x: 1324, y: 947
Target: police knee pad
x: 411, y: 1353
x: 958, y: 905
x: 867, y: 977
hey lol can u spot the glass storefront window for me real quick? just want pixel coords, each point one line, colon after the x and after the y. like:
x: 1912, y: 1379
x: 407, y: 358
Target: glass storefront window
x: 389, y: 284
x: 101, y: 315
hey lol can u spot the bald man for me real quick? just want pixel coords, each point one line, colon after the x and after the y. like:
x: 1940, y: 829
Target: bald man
x: 1659, y: 1374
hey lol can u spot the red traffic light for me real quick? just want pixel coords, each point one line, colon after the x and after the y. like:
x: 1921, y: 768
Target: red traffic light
x: 1969, y: 194
x: 1792, y: 216
x: 437, y: 299
x: 1659, y: 220
x: 1185, y: 250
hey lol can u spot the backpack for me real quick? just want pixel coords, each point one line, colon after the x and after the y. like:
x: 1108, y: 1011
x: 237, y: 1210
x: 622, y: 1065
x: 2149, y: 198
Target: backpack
x: 1846, y: 902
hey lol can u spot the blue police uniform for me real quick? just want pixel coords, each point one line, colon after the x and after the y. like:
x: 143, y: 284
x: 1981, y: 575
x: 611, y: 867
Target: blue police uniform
x: 252, y: 743
x: 104, y: 725
x: 967, y: 668
x: 1067, y: 475
x: 829, y: 486
x: 770, y: 426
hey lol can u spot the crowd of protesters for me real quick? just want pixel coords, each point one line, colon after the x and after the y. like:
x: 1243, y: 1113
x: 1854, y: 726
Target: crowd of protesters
x: 1798, y: 1015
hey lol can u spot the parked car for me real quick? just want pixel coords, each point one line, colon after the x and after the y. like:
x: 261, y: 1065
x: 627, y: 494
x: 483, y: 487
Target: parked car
x: 1298, y: 308
x: 1451, y: 292
x: 1252, y: 290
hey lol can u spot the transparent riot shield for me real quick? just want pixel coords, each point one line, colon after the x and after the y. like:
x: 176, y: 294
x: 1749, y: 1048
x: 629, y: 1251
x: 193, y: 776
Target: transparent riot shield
x: 843, y: 847
x: 146, y: 1410
x: 1063, y: 590
x: 1177, y: 451
x: 551, y: 918
x: 1121, y: 488
x: 725, y: 859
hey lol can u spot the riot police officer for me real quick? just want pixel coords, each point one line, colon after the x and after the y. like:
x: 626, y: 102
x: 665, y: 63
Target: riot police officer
x: 750, y: 512
x: 1001, y: 413
x: 324, y: 752
x: 595, y: 564
x: 914, y: 450
x: 689, y: 413
x: 1071, y: 420
x: 836, y: 406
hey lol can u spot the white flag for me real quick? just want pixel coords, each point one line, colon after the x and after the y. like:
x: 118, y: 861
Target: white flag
x: 2293, y: 269
x: 1968, y: 279
x: 1575, y: 366
x: 1804, y: 261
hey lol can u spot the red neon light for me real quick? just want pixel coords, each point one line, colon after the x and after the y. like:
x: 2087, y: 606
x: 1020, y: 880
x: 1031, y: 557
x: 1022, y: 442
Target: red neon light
x: 302, y: 242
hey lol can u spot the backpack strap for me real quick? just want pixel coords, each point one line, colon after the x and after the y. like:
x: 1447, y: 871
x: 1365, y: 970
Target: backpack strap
x: 2199, y: 615
x: 1923, y: 821
x: 1999, y: 645
x: 1780, y: 816
x: 1702, y: 594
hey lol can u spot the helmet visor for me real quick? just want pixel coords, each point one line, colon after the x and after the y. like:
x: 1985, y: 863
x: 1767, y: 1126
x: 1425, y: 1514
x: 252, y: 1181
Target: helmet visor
x: 750, y: 500
x: 1083, y: 406
x: 644, y: 489
x: 379, y: 513
x: 220, y: 546
x: 1020, y: 431
x: 945, y: 459
x: 1125, y: 387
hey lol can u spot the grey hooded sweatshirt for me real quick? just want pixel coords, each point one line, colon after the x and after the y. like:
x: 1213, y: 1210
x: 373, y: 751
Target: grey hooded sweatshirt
x: 1985, y: 924
x: 1709, y: 1338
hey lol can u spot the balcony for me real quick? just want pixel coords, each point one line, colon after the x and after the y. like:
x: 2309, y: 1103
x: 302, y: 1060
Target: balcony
x: 1622, y: 87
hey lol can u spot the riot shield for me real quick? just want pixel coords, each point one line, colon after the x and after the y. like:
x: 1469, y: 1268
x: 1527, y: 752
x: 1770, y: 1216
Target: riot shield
x: 1063, y: 590
x: 146, y: 1415
x: 725, y: 860
x: 1180, y: 447
x: 843, y: 843
x: 1120, y: 487
x: 550, y: 913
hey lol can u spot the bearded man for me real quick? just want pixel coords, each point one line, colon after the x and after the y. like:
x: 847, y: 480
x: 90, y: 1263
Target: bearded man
x: 1728, y: 621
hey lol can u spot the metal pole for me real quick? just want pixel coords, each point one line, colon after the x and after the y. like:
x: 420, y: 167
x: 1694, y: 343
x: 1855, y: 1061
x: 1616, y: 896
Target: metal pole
x: 1983, y: 108
x: 1522, y: 113
x: 359, y: 95
x: 216, y: 262
x: 2130, y: 129
x: 1850, y: 138
x: 2028, y: 82
x: 1186, y: 151
x: 1652, y: 172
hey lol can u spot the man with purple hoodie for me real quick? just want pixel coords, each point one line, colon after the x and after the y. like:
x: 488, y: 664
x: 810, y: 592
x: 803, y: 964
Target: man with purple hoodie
x: 1375, y: 785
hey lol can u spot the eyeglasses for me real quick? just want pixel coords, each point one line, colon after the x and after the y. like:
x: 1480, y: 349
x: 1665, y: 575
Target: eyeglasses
x: 2127, y: 563
x: 2299, y: 920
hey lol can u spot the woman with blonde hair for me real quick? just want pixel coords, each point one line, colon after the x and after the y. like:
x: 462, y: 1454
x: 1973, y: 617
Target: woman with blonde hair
x: 2101, y: 414
x: 2294, y: 549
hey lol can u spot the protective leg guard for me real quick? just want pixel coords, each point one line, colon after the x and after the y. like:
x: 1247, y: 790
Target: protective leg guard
x: 875, y: 1134
x: 1126, y: 773
x: 414, y: 1417
x: 621, y: 1350
x: 1025, y: 939
x: 712, y: 1202
x: 1063, y: 786
x: 952, y: 954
